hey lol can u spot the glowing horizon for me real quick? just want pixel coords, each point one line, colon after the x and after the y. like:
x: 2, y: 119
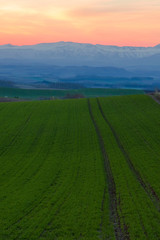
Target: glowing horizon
x: 110, y: 22
x: 118, y: 45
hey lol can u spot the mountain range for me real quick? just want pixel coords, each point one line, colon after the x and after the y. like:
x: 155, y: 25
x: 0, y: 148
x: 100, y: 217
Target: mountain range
x: 80, y: 54
x: 69, y: 61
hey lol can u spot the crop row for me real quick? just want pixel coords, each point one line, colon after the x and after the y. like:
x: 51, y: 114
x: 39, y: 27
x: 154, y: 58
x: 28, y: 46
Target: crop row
x: 80, y: 169
x: 52, y: 175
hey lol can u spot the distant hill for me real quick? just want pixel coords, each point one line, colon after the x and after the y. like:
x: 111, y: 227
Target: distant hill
x: 78, y: 54
x: 57, y: 85
x: 8, y: 84
x: 80, y: 64
x: 46, y: 94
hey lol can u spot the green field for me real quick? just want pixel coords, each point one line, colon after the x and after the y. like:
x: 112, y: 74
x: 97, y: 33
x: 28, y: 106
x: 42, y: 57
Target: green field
x: 87, y: 92
x: 83, y: 169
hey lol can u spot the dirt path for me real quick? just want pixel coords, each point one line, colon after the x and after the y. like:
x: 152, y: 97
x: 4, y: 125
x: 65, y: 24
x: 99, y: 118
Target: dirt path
x: 146, y: 186
x: 111, y: 184
x: 154, y: 98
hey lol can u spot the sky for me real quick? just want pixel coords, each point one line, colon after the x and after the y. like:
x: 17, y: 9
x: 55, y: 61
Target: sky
x: 108, y: 22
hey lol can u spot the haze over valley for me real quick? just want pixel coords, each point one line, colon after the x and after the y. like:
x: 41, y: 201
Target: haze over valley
x: 87, y: 65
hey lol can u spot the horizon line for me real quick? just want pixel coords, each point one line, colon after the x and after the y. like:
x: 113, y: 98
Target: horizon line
x: 38, y: 43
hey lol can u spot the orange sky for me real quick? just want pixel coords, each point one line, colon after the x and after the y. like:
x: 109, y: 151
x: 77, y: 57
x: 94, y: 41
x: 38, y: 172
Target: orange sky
x: 113, y: 22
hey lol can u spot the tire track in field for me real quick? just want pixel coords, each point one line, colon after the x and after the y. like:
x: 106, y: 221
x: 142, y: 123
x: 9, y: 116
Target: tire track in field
x: 119, y: 234
x: 38, y: 204
x: 39, y: 134
x: 20, y: 130
x: 67, y: 193
x: 1, y: 108
x: 146, y: 186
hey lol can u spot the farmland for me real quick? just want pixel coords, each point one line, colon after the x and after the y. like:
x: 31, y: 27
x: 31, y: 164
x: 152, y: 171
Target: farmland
x: 34, y: 94
x: 84, y: 169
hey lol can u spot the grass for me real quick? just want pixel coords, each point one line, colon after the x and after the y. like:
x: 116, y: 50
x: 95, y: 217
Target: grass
x: 87, y: 92
x: 80, y: 169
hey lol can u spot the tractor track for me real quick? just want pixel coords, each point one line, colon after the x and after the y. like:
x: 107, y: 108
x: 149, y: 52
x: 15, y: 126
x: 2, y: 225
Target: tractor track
x: 119, y: 233
x: 59, y: 207
x: 48, y: 188
x: 18, y: 133
x: 146, y: 186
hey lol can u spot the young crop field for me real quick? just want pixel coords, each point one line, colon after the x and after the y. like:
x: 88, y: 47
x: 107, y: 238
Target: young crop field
x: 84, y: 169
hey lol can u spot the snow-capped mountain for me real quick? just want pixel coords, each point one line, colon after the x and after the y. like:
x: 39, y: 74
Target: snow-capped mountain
x: 78, y: 54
